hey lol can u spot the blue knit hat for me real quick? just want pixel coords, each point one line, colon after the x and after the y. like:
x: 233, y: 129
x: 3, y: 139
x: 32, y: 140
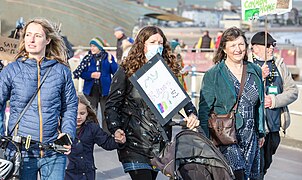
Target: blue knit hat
x: 98, y: 42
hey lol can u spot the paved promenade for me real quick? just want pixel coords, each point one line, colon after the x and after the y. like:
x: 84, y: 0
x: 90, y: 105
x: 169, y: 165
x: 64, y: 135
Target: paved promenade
x: 287, y: 164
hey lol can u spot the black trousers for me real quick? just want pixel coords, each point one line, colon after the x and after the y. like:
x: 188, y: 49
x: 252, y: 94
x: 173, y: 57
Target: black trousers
x: 95, y: 97
x: 143, y: 174
x: 272, y: 141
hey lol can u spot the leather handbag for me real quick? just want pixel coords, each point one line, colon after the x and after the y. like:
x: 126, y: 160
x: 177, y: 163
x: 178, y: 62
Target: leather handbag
x: 222, y: 129
x: 222, y: 126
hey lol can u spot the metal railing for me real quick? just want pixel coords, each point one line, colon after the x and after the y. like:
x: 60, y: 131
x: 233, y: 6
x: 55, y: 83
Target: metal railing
x: 86, y: 48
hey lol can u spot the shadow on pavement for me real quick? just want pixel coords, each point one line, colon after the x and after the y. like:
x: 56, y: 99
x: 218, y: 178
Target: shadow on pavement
x: 115, y: 173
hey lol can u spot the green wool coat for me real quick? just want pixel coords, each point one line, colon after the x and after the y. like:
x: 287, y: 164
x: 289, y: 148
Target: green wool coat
x: 218, y: 93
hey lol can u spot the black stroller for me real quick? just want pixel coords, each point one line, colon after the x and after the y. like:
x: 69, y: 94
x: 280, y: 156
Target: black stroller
x: 191, y: 156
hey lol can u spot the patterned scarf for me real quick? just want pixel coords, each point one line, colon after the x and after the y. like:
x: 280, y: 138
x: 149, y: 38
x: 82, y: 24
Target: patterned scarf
x: 86, y: 62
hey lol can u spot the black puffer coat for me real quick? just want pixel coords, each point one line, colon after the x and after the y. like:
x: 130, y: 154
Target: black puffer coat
x: 125, y: 109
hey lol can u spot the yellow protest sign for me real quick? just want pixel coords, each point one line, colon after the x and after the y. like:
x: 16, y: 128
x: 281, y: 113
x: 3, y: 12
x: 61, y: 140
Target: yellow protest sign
x: 8, y: 48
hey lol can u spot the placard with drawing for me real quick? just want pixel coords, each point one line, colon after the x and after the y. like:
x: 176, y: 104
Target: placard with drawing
x: 160, y: 89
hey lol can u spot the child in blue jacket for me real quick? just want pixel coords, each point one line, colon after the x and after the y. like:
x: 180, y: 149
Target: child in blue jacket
x: 81, y: 160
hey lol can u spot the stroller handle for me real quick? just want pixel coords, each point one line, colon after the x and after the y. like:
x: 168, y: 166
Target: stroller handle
x: 181, y: 123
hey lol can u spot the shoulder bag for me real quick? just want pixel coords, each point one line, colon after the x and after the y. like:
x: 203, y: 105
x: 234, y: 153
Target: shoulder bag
x: 222, y: 126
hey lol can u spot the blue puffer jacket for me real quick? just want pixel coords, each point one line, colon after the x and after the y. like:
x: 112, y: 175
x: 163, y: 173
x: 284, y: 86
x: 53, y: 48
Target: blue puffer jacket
x: 57, y: 98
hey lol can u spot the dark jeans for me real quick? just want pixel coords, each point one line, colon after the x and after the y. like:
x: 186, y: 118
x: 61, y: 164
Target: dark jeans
x: 95, y: 97
x: 272, y: 141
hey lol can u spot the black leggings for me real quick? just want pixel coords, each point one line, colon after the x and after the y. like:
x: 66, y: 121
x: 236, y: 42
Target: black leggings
x: 271, y: 143
x: 144, y: 174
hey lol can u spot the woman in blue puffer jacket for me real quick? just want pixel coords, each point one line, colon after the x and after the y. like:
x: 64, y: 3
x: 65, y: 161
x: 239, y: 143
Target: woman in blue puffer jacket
x: 53, y: 112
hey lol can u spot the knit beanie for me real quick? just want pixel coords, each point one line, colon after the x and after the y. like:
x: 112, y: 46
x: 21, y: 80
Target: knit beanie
x: 119, y: 29
x: 98, y: 42
x: 174, y: 44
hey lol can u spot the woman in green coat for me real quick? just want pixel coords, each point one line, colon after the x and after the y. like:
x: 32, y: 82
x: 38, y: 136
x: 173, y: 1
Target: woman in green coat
x: 219, y: 93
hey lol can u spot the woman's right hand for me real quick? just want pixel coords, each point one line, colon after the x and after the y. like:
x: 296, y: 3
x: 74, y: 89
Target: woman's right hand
x: 192, y: 121
x: 120, y: 136
x: 96, y: 75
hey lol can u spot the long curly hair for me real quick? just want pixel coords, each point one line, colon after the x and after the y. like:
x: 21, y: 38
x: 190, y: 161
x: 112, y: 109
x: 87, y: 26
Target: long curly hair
x: 228, y: 35
x: 54, y: 50
x: 136, y: 57
x: 92, y: 117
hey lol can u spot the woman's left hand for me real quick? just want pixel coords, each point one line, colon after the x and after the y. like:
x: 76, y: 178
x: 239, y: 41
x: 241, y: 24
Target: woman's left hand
x: 192, y: 121
x: 67, y: 147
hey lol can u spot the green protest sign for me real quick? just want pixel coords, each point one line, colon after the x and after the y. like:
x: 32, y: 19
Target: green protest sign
x: 251, y: 14
x: 253, y: 9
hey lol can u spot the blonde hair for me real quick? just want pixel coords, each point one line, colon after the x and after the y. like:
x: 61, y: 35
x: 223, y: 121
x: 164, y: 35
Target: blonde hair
x: 54, y: 50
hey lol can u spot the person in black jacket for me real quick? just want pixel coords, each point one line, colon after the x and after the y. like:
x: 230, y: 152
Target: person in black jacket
x: 126, y: 111
x: 68, y: 44
x: 81, y: 161
x: 205, y: 42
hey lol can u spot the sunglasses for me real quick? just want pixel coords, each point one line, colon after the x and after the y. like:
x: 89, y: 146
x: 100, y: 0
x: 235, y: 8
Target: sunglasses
x: 272, y: 44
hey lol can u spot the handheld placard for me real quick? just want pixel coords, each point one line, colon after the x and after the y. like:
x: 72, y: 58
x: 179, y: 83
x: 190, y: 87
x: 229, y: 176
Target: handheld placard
x: 160, y: 89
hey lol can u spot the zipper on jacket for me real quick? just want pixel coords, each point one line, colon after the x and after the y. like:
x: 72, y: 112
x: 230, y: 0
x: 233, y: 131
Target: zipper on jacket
x: 39, y: 105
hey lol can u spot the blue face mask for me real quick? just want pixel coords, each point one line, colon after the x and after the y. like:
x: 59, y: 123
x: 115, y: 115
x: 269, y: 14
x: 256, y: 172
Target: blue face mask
x: 153, y: 49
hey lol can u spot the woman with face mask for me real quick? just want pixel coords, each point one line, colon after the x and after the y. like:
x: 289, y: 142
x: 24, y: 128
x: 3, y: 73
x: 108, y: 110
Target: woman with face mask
x: 126, y: 112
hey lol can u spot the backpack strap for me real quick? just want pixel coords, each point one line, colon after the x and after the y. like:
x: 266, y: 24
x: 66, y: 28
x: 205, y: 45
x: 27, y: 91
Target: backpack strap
x: 162, y: 132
